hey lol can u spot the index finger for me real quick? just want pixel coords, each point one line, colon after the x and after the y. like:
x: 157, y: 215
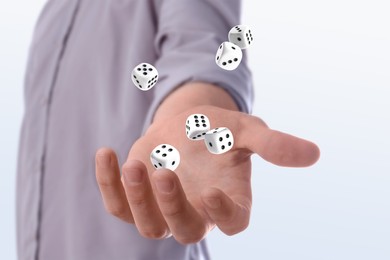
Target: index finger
x: 110, y: 185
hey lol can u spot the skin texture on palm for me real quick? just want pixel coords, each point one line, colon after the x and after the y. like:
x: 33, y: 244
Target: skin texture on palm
x: 206, y: 190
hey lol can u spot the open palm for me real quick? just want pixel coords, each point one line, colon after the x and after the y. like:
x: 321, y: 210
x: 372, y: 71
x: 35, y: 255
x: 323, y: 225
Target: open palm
x: 206, y: 189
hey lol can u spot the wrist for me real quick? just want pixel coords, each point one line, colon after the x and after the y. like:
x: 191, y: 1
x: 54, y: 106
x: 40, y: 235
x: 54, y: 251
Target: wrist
x: 193, y: 95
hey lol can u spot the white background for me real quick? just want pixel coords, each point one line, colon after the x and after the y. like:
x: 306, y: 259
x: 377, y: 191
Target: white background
x: 322, y: 72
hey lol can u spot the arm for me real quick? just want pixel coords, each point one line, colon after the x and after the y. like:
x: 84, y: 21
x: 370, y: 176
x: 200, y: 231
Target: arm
x: 206, y: 190
x: 187, y: 38
x: 192, y: 95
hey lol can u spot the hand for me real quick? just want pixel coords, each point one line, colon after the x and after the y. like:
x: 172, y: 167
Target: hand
x: 206, y: 190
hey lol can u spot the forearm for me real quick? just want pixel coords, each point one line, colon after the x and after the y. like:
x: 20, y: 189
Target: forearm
x: 191, y: 95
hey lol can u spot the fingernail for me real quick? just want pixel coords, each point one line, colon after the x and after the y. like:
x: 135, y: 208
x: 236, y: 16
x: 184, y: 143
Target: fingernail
x: 133, y: 176
x: 213, y: 203
x: 165, y: 186
x: 104, y: 161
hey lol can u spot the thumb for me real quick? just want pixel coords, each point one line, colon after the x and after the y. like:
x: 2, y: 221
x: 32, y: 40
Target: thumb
x: 274, y: 146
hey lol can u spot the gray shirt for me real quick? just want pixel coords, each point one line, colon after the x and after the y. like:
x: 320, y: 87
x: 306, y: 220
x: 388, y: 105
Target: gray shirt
x: 79, y: 97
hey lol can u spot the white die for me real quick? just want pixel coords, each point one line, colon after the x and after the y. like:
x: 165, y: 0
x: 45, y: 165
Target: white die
x: 144, y: 76
x: 228, y: 56
x: 241, y: 35
x: 165, y: 156
x: 219, y: 140
x: 196, y: 126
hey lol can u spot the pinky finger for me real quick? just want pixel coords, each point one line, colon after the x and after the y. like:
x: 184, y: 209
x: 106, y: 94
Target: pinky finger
x: 230, y: 216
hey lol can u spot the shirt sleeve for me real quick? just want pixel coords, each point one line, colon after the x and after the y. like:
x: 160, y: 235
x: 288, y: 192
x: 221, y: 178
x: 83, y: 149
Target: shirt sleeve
x: 189, y: 33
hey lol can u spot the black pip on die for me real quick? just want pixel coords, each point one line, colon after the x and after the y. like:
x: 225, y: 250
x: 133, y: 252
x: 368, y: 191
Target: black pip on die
x: 219, y: 140
x: 228, y: 56
x: 144, y: 76
x: 196, y: 126
x: 241, y: 35
x: 165, y: 156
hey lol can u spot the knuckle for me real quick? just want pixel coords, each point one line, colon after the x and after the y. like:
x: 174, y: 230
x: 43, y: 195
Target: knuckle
x: 256, y: 120
x: 102, y: 183
x: 226, y: 217
x: 235, y: 229
x: 136, y: 201
x: 104, y: 180
x: 174, y: 210
x: 137, y: 197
